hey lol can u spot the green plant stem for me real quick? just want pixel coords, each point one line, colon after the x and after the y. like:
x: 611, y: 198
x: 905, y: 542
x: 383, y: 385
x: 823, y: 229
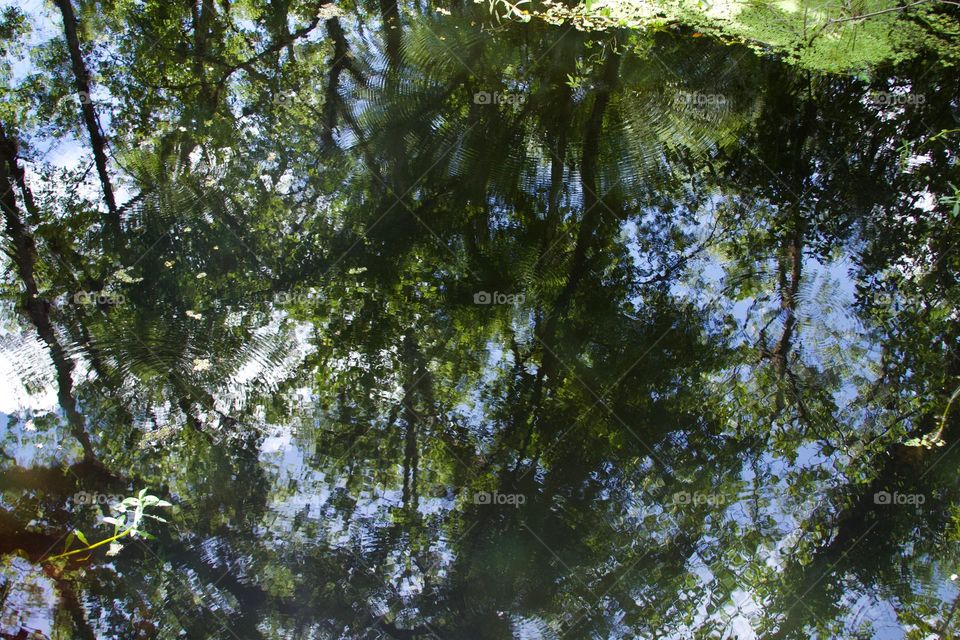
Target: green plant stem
x: 943, y: 418
x: 93, y: 546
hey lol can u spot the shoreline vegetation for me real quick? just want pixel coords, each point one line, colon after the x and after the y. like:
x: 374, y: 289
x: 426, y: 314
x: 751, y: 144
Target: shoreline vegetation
x: 838, y: 37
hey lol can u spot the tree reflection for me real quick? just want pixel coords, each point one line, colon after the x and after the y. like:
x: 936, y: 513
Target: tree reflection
x: 687, y: 416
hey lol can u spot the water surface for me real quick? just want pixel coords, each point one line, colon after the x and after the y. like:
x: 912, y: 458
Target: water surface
x: 458, y: 329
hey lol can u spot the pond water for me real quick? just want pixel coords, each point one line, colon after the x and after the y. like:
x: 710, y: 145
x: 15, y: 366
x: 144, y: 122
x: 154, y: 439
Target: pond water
x: 421, y: 324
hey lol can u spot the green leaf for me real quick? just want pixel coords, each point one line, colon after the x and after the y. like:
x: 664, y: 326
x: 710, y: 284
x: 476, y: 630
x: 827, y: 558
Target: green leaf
x: 82, y: 537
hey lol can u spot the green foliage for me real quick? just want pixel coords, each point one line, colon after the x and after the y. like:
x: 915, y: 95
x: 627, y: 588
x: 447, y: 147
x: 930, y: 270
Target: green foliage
x: 504, y: 9
x: 839, y: 37
x: 127, y: 520
x: 733, y: 298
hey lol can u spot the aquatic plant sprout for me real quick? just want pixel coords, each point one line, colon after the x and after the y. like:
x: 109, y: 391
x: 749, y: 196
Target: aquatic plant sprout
x: 127, y: 522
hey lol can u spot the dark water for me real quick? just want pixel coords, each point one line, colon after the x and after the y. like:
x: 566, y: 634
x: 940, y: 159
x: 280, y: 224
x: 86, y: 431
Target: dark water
x: 505, y: 332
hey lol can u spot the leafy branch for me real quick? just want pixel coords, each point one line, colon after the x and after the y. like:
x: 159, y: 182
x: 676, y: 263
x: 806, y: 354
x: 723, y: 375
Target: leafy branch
x: 509, y: 9
x: 934, y: 439
x: 127, y: 523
